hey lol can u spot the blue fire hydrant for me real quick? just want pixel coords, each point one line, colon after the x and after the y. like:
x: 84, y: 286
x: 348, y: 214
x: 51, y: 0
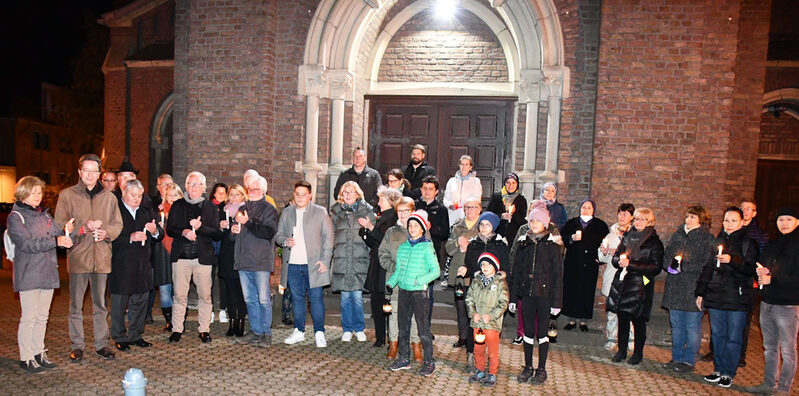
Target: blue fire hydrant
x: 134, y: 383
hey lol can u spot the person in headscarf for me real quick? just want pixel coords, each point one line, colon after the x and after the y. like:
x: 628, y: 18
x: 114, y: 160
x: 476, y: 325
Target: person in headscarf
x: 557, y: 212
x: 510, y: 205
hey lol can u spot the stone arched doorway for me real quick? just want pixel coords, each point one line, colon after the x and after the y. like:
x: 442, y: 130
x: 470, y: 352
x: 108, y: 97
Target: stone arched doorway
x: 160, y: 157
x: 777, y: 183
x: 346, y: 44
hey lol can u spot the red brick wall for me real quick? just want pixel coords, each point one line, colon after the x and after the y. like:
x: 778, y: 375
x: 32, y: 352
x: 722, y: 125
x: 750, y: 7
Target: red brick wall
x: 779, y: 136
x: 781, y: 77
x: 148, y: 89
x: 667, y: 104
x: 225, y: 66
x: 426, y: 49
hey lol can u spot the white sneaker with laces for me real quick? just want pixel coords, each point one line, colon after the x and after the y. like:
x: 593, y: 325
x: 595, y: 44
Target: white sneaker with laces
x: 361, y: 336
x: 223, y: 316
x: 295, y: 337
x: 321, y: 342
x: 347, y: 336
x: 212, y: 316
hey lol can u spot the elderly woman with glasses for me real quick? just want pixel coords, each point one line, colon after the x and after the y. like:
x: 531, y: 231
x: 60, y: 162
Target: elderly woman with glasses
x: 639, y: 256
x: 350, y: 257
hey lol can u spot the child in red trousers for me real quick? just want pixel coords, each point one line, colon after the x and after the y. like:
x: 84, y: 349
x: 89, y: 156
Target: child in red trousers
x: 486, y: 302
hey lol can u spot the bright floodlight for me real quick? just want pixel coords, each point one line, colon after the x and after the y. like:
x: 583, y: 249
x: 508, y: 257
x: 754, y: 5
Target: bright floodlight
x: 444, y: 9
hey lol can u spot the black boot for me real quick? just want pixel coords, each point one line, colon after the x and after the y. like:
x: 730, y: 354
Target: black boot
x: 231, y: 330
x: 240, y: 329
x: 167, y: 318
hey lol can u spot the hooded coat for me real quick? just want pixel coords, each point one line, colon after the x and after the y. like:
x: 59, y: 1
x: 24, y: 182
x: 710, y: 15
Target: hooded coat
x: 350, y: 253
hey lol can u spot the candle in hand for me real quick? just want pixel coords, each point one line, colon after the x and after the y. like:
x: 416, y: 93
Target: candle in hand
x: 760, y: 285
x: 145, y: 235
x: 227, y: 216
x: 678, y: 258
x: 718, y: 262
x: 623, y: 256
x: 162, y: 217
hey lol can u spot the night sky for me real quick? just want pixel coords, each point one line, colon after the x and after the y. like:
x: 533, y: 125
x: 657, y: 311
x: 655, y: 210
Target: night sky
x: 40, y: 39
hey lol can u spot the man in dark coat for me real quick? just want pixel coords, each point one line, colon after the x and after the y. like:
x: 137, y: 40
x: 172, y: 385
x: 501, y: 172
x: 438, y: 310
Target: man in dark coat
x: 417, y: 170
x: 367, y: 178
x: 131, y: 277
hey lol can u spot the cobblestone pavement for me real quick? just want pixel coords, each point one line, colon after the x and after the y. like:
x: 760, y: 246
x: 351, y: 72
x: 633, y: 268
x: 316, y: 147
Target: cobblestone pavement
x: 577, y: 363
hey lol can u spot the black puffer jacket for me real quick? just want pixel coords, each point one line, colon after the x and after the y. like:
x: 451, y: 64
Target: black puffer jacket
x: 729, y: 286
x: 696, y: 249
x: 496, y: 245
x: 538, y: 270
x: 645, y: 252
x: 781, y: 257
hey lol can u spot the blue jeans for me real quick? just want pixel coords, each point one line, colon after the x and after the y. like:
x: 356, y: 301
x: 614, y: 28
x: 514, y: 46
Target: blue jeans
x: 165, y: 291
x: 727, y: 330
x: 300, y: 287
x: 255, y: 288
x: 686, y: 335
x: 779, y: 324
x: 351, y: 311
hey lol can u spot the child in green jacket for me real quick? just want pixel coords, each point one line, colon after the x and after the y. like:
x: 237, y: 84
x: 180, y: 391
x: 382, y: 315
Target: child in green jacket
x: 416, y: 267
x: 486, y: 302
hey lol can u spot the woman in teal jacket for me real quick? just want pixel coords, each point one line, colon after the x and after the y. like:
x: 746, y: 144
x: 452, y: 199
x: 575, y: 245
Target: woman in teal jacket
x: 416, y: 268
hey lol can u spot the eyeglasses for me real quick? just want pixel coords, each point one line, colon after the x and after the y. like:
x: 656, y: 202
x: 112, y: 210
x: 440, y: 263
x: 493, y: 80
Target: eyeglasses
x: 90, y: 171
x: 393, y: 180
x: 404, y: 211
x: 468, y: 207
x: 301, y: 195
x: 109, y: 180
x: 164, y: 183
x: 485, y: 224
x: 196, y: 184
x: 254, y: 189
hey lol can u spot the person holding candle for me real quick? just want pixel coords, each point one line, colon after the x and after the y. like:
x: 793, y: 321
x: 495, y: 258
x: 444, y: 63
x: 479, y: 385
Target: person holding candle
x: 486, y: 302
x: 350, y: 257
x: 305, y: 232
x: 582, y: 236
x: 387, y: 253
x: 219, y: 198
x: 461, y: 186
x: 131, y: 277
x: 724, y: 289
x: 778, y: 276
x: 162, y: 263
x: 486, y: 241
x: 689, y: 250
x: 36, y: 237
x: 462, y: 232
x: 536, y: 280
x: 236, y: 307
x: 557, y: 211
x: 606, y: 250
x: 416, y: 268
x: 639, y: 256
x: 510, y: 205
x: 376, y: 276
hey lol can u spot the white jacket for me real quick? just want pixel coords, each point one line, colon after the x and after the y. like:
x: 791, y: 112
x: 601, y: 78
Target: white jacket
x: 458, y: 190
x: 612, y: 241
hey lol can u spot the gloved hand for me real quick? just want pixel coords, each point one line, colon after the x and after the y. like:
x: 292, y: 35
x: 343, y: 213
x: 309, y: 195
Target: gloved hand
x: 512, y: 308
x: 389, y: 290
x: 554, y: 311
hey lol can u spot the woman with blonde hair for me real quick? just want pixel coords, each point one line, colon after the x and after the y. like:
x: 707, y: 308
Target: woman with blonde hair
x: 350, y: 257
x: 237, y: 309
x: 639, y: 256
x: 162, y: 264
x: 35, y: 236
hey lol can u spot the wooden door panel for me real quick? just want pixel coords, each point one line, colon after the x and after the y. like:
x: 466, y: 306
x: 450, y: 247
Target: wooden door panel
x: 487, y: 126
x: 777, y: 186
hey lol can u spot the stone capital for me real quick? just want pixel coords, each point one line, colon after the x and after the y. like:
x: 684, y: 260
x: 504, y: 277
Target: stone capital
x: 556, y: 78
x: 341, y: 84
x: 375, y: 4
x: 531, y: 86
x: 312, y: 80
x: 496, y: 3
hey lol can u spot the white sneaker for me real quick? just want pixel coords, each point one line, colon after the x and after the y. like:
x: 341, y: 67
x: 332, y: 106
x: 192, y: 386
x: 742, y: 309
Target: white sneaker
x: 212, y: 316
x: 347, y: 336
x: 609, y: 345
x: 223, y: 316
x: 295, y: 337
x: 321, y: 342
x: 361, y: 336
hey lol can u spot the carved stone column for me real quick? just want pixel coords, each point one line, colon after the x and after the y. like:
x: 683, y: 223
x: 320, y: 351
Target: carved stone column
x: 312, y: 83
x: 341, y: 90
x: 554, y: 83
x: 531, y: 91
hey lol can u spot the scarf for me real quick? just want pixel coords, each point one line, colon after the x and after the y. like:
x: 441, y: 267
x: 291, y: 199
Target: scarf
x: 349, y: 208
x: 487, y: 279
x: 463, y: 178
x: 485, y: 238
x: 413, y: 242
x: 194, y: 201
x: 637, y: 238
x: 543, y: 188
x: 232, y: 209
x: 508, y: 198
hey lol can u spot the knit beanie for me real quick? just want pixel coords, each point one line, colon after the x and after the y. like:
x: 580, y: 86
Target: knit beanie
x: 492, y: 218
x: 539, y: 211
x: 489, y: 258
x: 420, y: 216
x: 788, y: 212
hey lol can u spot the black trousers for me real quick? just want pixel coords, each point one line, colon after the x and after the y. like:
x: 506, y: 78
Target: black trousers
x: 376, y: 301
x: 136, y: 305
x: 236, y: 308
x: 465, y: 331
x: 639, y: 324
x: 535, y: 314
x: 413, y: 305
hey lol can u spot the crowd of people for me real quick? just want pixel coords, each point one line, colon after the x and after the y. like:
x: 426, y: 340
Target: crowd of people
x: 396, y: 242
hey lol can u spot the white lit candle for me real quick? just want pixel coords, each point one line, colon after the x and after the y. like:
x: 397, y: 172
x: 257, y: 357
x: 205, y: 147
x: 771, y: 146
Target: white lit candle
x: 578, y: 234
x: 718, y: 262
x: 145, y: 235
x: 162, y: 217
x: 678, y: 258
x: 227, y: 216
x: 759, y: 285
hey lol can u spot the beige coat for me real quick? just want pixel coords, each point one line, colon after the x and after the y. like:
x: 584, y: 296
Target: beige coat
x: 87, y: 256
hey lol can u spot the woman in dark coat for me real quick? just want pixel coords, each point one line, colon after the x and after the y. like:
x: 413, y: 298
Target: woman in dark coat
x: 397, y: 181
x: 162, y: 264
x: 236, y: 307
x: 725, y: 288
x: 690, y: 248
x: 376, y: 276
x: 511, y: 207
x: 639, y: 256
x: 582, y: 236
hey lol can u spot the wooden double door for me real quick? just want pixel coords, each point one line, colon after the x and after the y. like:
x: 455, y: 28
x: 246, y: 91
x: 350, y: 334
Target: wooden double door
x: 449, y: 128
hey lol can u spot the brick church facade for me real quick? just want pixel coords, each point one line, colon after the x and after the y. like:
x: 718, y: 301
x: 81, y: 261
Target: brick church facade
x: 656, y: 103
